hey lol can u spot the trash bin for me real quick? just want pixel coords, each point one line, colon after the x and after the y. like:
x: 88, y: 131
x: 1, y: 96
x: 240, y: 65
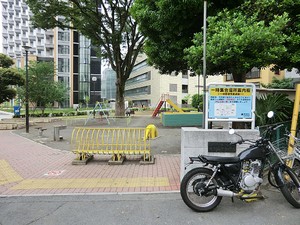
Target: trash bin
x: 17, y: 110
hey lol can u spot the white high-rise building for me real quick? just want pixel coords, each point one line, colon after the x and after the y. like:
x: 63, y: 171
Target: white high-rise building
x: 76, y: 62
x: 16, y: 31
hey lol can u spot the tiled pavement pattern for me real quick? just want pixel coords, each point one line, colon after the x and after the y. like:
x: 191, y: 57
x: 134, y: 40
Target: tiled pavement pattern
x: 30, y: 168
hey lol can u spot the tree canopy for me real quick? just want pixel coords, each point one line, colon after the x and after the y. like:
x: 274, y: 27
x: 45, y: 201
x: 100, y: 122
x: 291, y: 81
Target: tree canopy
x: 266, y: 9
x: 170, y: 25
x: 107, y: 23
x: 8, y: 77
x: 43, y: 90
x: 237, y: 31
x: 237, y: 42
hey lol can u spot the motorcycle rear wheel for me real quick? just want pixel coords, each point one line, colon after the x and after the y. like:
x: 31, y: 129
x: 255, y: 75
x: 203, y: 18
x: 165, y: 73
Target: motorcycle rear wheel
x: 290, y: 190
x: 198, y: 177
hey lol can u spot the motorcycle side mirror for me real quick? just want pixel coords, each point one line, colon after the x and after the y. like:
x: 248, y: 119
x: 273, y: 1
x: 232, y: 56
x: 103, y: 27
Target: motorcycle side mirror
x: 270, y: 114
x: 231, y: 131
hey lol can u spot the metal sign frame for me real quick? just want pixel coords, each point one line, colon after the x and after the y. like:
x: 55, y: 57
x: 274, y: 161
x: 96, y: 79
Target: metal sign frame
x: 230, y: 102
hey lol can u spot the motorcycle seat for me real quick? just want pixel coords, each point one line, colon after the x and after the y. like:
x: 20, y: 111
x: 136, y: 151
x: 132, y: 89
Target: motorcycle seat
x: 219, y: 159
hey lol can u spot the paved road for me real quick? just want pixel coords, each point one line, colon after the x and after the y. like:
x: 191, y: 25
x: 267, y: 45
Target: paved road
x: 146, y: 209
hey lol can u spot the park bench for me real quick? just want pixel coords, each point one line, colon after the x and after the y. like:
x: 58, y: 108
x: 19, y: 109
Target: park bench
x: 41, y: 130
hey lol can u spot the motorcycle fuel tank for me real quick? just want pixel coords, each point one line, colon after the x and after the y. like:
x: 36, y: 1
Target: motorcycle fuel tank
x: 254, y: 152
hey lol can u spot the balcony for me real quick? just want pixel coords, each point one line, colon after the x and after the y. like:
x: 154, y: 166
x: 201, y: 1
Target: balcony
x: 49, y: 32
x: 49, y: 45
x: 4, y: 23
x: 17, y: 8
x: 18, y: 41
x: 40, y: 47
x: 31, y: 37
x: 40, y: 35
x: 17, y: 19
x: 24, y: 17
x: 24, y: 27
x: 18, y: 30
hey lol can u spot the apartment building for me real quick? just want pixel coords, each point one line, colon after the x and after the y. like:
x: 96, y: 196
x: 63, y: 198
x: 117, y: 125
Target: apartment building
x: 260, y: 76
x: 146, y: 85
x: 75, y: 59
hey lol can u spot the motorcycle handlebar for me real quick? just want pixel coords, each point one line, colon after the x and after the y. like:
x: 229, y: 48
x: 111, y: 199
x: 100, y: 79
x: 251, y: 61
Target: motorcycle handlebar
x: 241, y: 142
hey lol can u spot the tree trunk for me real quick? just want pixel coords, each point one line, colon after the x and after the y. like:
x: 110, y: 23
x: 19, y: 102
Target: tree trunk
x: 120, y: 103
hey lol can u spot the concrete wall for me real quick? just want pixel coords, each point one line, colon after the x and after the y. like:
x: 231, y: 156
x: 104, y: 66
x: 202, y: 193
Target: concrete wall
x: 194, y: 142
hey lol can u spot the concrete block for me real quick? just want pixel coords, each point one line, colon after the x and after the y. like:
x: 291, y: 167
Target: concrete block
x: 194, y: 142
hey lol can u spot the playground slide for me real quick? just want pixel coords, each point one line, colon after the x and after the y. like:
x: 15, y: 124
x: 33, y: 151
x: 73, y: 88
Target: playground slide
x: 174, y: 105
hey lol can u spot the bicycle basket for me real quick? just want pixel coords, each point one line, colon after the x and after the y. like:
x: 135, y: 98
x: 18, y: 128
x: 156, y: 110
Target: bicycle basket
x: 281, y: 146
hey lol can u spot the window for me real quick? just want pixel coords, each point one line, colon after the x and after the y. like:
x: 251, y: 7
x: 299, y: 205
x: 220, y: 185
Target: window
x: 173, y: 87
x: 139, y: 78
x: 63, y: 49
x: 63, y: 36
x: 185, y: 89
x: 63, y: 65
x: 138, y: 91
x: 140, y: 65
x: 95, y: 66
x: 254, y: 73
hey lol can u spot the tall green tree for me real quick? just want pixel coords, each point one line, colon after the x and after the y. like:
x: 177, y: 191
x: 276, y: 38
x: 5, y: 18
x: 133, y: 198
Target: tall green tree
x: 43, y: 90
x: 166, y: 23
x: 236, y: 43
x: 265, y: 10
x: 170, y: 25
x: 109, y: 25
x: 8, y: 77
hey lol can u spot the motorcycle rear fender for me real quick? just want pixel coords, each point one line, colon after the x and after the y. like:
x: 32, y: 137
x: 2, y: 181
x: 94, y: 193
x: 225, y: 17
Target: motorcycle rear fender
x: 278, y: 174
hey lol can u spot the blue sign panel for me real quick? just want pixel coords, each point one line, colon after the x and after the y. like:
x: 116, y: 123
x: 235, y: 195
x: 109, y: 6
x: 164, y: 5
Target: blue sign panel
x: 230, y: 101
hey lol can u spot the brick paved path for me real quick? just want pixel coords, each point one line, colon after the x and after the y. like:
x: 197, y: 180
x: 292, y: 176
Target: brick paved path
x: 30, y: 168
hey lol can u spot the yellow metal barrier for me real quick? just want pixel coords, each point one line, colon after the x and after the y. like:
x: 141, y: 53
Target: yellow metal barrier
x: 110, y: 141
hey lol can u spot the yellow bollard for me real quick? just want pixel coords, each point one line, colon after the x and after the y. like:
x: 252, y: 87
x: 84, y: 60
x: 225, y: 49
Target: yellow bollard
x: 294, y: 122
x: 150, y: 132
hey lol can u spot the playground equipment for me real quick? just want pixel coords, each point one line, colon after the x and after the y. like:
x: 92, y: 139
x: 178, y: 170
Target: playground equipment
x: 165, y: 98
x: 98, y: 108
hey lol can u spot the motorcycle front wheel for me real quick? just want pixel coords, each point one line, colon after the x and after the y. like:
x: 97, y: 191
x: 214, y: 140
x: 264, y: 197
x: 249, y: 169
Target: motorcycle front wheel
x: 194, y: 192
x: 290, y: 190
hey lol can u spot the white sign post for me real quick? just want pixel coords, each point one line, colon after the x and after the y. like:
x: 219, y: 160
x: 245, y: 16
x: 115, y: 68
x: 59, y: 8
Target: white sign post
x: 230, y: 102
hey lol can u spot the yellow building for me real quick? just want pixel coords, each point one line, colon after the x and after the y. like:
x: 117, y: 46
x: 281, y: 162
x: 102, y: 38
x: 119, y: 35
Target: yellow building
x: 259, y: 76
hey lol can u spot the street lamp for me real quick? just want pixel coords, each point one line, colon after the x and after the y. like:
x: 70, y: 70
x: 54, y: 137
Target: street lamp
x: 94, y: 79
x: 204, y: 63
x: 26, y: 48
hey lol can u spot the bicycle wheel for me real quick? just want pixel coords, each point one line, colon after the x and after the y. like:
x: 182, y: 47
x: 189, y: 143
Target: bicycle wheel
x: 195, y: 192
x: 296, y: 167
x: 290, y: 190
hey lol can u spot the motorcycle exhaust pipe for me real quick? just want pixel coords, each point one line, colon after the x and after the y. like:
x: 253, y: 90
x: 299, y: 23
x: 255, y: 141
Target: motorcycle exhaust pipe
x: 225, y: 193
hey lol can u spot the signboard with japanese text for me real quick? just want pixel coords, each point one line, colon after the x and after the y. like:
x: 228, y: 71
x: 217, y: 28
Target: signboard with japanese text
x: 231, y: 102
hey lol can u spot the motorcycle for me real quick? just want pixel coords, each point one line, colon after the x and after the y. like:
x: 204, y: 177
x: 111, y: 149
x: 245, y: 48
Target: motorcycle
x: 203, y: 187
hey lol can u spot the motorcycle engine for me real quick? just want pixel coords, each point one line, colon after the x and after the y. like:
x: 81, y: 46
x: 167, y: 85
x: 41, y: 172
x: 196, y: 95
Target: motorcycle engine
x: 250, y: 175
